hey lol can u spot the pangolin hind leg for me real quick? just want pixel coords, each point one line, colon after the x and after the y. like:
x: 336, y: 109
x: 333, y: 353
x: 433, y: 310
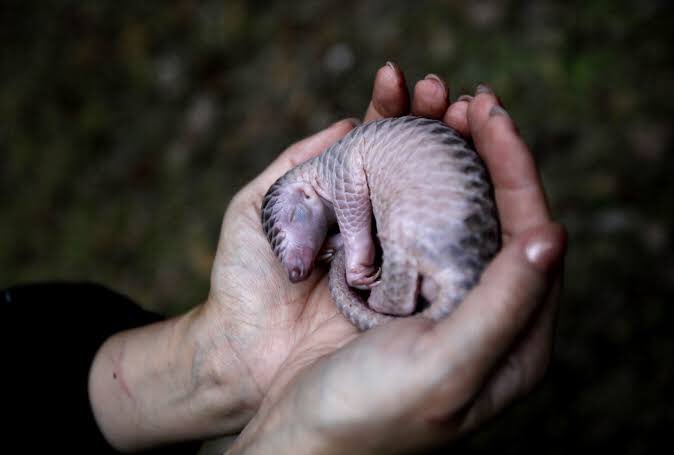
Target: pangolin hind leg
x: 397, y: 292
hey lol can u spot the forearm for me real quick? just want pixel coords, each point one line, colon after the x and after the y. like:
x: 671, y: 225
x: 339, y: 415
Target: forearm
x: 167, y: 382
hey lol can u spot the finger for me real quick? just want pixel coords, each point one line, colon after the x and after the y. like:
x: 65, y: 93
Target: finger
x: 300, y: 152
x: 523, y: 368
x: 486, y: 324
x: 456, y: 116
x: 430, y: 97
x: 517, y: 186
x: 389, y: 94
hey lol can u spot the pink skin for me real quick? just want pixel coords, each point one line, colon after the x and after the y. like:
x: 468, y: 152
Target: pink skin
x: 301, y: 241
x: 298, y: 216
x: 361, y: 273
x: 303, y: 222
x: 303, y: 219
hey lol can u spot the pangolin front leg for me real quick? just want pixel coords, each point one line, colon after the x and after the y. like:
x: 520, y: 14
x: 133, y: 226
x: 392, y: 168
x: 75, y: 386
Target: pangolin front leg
x: 353, y: 210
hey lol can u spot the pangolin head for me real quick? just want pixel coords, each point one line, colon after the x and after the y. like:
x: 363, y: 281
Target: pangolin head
x: 295, y: 223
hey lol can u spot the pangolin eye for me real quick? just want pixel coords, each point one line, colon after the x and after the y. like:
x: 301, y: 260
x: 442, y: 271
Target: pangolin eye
x: 298, y: 213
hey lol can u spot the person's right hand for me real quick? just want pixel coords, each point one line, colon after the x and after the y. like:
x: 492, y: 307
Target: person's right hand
x: 414, y: 383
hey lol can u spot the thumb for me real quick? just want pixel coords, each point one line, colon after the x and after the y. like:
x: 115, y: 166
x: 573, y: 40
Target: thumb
x: 496, y: 311
x: 301, y: 151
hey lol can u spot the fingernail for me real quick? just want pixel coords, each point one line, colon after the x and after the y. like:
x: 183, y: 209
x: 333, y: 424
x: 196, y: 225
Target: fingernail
x: 498, y: 110
x: 436, y: 78
x: 392, y: 65
x: 468, y: 98
x: 483, y: 88
x: 544, y: 249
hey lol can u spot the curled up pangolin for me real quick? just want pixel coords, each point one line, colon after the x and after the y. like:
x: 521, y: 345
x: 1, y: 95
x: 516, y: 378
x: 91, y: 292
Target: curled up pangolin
x: 434, y: 230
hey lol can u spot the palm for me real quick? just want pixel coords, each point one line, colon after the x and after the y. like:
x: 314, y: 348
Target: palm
x: 268, y: 319
x: 268, y: 316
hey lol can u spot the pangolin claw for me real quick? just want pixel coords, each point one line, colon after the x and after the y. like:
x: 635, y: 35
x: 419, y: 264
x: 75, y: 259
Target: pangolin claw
x: 368, y: 282
x: 326, y: 256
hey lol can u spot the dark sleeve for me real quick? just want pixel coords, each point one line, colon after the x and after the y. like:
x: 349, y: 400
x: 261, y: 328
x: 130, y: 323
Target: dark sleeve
x: 49, y: 335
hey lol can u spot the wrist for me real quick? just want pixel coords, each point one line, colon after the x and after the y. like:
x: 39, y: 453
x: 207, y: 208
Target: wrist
x: 275, y: 429
x: 168, y: 382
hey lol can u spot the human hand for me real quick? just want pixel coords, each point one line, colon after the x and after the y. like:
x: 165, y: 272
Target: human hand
x: 205, y: 373
x: 415, y: 383
x: 257, y: 312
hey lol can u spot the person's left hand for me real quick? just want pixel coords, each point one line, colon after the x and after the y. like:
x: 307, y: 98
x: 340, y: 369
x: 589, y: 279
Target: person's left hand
x: 205, y: 373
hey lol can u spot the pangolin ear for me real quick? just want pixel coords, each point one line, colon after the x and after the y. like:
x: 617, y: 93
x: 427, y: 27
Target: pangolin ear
x: 305, y: 191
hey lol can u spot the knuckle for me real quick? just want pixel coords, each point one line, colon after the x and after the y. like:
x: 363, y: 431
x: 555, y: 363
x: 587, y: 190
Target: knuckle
x: 478, y: 111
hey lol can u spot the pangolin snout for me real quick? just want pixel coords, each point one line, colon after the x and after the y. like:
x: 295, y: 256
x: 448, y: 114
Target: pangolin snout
x: 296, y: 275
x: 299, y: 262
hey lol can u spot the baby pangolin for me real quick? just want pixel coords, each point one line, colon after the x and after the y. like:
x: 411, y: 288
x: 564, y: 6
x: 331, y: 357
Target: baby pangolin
x: 435, y: 221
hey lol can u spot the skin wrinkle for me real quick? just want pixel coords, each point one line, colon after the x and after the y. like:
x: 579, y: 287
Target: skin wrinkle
x: 197, y: 365
x: 535, y: 364
x: 500, y: 390
x: 508, y: 189
x: 461, y: 418
x: 240, y: 322
x: 381, y: 109
x: 118, y: 371
x: 510, y: 143
x: 242, y: 362
x: 436, y: 106
x: 510, y: 372
x: 282, y: 323
x: 279, y: 309
x: 304, y: 308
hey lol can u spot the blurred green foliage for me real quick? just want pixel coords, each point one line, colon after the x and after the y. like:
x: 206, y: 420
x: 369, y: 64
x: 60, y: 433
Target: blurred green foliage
x: 126, y: 127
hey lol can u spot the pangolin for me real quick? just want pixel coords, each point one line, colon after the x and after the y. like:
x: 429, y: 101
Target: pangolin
x: 435, y: 225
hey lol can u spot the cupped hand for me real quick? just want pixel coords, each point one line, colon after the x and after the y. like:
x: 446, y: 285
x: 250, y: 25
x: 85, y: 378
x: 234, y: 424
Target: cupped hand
x: 411, y: 383
x: 253, y: 308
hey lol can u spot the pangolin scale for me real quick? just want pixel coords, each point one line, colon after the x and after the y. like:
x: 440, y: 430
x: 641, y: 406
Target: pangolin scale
x: 435, y: 223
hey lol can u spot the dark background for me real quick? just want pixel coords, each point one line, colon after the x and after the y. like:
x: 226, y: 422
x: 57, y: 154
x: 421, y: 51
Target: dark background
x: 126, y: 127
